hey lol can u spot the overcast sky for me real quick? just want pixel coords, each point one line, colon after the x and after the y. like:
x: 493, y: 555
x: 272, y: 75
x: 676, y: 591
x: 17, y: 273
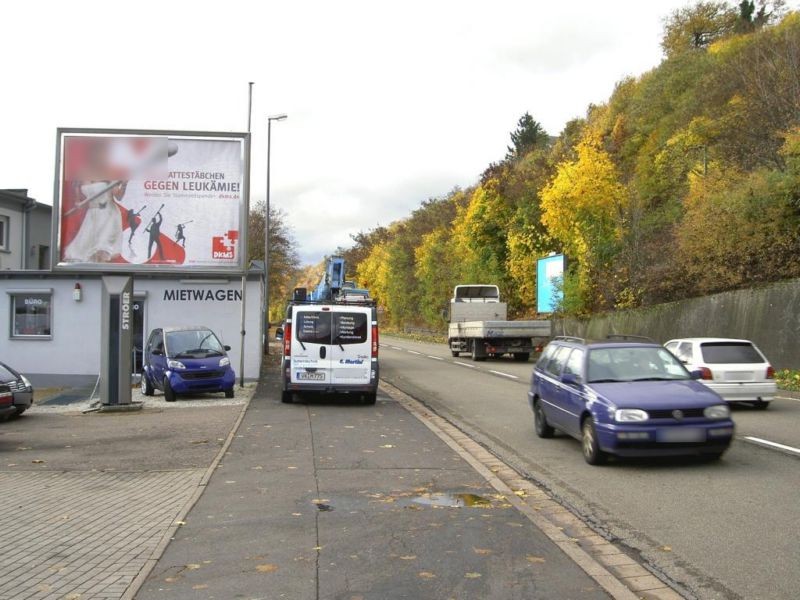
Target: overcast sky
x: 389, y: 103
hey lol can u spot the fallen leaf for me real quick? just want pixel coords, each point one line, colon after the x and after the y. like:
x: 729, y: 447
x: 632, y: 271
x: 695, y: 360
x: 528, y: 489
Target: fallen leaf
x: 291, y: 468
x: 192, y: 567
x: 535, y: 560
x: 23, y: 448
x: 472, y: 575
x: 317, y: 548
x: 297, y: 514
x: 198, y: 442
x: 258, y: 468
x: 44, y: 588
x: 387, y: 446
x: 514, y: 524
x: 37, y: 461
x: 666, y: 548
x: 230, y: 482
x: 349, y: 426
x: 320, y: 501
x: 482, y: 551
x: 521, y: 493
x: 180, y: 522
x: 72, y: 597
x: 171, y: 579
x: 201, y: 586
x: 426, y: 575
x: 267, y: 568
x: 408, y: 557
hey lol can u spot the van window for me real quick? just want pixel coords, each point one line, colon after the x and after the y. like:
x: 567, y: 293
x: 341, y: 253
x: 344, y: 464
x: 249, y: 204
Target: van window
x: 314, y: 327
x: 349, y: 328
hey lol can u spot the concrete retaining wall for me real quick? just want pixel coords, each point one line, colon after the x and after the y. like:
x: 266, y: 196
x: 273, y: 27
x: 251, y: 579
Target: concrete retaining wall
x: 769, y: 316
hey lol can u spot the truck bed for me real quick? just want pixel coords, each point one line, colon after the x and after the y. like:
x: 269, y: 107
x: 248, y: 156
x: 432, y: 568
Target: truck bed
x: 500, y: 329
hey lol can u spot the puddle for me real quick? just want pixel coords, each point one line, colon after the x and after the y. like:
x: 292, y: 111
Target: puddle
x: 453, y: 500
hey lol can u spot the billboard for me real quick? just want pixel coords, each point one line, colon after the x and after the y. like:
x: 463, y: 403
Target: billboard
x: 548, y: 295
x: 150, y: 201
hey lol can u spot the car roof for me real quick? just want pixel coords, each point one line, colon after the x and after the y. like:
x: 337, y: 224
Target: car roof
x: 581, y: 343
x: 710, y: 339
x: 186, y: 328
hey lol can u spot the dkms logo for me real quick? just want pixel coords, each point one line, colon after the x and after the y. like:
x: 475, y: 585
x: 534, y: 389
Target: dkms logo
x: 224, y: 246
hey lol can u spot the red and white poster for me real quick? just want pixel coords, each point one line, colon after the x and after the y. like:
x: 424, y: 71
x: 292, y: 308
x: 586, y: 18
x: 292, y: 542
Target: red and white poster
x: 131, y: 201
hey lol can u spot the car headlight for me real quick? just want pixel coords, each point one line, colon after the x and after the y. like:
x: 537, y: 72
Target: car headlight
x: 224, y: 362
x: 630, y: 415
x: 718, y: 411
x: 175, y: 364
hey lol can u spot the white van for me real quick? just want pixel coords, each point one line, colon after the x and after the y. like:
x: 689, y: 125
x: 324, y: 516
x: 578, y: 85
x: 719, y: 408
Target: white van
x: 330, y: 347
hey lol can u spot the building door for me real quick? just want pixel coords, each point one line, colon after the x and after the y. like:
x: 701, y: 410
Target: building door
x: 139, y: 334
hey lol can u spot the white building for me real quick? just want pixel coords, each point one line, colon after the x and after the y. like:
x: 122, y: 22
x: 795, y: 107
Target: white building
x: 50, y: 322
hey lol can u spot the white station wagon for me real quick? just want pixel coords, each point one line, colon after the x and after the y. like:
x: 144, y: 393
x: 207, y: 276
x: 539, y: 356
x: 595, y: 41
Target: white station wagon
x: 736, y: 369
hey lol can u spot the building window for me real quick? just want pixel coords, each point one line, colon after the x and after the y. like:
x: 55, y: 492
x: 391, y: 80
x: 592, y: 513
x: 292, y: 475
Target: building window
x: 4, y: 232
x: 31, y: 314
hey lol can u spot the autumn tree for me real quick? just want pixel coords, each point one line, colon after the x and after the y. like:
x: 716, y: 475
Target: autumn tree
x: 696, y: 27
x: 528, y: 135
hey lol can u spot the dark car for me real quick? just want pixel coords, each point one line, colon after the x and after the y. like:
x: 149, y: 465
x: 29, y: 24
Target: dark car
x: 186, y: 360
x: 628, y: 398
x: 21, y: 388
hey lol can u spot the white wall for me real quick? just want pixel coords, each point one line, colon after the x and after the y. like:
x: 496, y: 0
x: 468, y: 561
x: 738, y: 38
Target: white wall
x: 74, y: 347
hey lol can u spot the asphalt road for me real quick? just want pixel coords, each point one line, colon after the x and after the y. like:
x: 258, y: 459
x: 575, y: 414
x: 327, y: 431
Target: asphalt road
x: 719, y: 530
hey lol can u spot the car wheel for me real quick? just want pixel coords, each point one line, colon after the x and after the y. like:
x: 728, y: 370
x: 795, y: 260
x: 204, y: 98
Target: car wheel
x: 543, y: 428
x: 590, y: 445
x: 287, y: 397
x: 370, y: 397
x: 19, y: 410
x: 169, y: 394
x: 761, y: 405
x: 229, y: 393
x: 147, y: 387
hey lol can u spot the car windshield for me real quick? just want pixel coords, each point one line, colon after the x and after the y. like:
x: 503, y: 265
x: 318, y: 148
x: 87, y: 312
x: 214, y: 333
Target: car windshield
x: 7, y: 375
x: 193, y: 342
x: 718, y: 353
x: 633, y: 363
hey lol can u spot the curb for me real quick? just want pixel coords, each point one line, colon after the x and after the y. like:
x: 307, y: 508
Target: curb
x: 150, y: 563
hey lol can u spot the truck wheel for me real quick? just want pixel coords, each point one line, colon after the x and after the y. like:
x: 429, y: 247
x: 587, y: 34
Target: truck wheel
x: 455, y: 353
x: 521, y: 356
x: 287, y: 397
x: 475, y: 356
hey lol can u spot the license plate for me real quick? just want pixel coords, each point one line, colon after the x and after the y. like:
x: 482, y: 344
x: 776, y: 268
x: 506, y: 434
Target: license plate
x: 304, y: 376
x: 681, y: 434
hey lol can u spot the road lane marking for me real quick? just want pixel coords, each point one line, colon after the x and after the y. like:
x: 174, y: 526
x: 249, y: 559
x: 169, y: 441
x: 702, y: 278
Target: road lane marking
x: 455, y: 362
x: 504, y: 374
x: 395, y: 348
x: 412, y: 352
x: 769, y: 444
x: 435, y: 357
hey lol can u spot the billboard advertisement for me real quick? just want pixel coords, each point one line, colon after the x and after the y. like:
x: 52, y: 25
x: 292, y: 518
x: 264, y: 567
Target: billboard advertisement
x: 150, y: 201
x: 549, y: 275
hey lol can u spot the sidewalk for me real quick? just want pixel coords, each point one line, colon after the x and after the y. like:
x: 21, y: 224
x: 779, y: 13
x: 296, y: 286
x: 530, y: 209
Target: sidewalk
x: 337, y: 500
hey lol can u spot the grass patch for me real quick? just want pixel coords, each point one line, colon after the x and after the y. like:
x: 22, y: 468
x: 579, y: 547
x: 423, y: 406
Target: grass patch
x: 432, y: 338
x: 788, y: 379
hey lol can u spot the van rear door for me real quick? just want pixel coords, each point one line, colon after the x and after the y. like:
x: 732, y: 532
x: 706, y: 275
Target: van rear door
x: 351, y: 337
x: 311, y: 346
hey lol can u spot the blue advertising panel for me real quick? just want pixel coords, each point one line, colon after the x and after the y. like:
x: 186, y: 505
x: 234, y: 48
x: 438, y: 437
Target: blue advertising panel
x: 547, y: 295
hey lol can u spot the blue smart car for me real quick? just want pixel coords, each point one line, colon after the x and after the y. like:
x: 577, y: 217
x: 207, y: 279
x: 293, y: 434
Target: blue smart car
x: 186, y: 360
x: 626, y: 397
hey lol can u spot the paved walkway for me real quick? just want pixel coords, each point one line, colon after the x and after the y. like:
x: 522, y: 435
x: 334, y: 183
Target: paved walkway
x: 81, y: 535
x: 339, y: 500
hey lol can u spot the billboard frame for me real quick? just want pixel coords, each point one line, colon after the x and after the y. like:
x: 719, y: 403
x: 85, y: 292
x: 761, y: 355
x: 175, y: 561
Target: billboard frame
x: 240, y: 268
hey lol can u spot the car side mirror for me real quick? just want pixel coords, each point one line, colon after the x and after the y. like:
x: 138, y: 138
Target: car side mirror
x: 279, y: 334
x: 227, y: 348
x: 698, y: 374
x: 570, y: 379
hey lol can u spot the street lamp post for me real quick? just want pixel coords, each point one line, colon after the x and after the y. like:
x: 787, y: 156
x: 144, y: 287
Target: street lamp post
x: 266, y: 231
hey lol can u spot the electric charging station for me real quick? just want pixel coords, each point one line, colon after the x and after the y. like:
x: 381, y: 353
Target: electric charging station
x: 116, y: 340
